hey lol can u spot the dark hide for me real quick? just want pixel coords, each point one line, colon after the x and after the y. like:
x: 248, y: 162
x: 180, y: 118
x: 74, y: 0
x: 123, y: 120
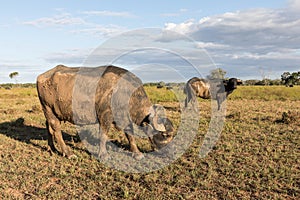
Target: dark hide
x: 206, y: 89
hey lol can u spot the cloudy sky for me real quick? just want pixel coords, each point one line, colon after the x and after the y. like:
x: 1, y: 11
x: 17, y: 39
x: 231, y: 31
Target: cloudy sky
x: 248, y: 39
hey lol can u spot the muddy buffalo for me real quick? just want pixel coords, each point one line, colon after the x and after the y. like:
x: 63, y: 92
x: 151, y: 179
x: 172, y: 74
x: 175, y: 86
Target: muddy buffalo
x: 118, y: 98
x: 196, y: 87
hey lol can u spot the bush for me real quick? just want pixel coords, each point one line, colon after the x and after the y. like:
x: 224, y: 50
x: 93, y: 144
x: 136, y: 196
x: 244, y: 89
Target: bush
x: 22, y: 85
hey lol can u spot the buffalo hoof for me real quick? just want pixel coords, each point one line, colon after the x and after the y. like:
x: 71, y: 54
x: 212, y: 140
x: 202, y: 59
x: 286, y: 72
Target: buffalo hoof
x: 103, y: 156
x: 138, y: 156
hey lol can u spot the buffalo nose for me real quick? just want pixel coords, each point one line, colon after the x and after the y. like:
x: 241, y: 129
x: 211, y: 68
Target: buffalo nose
x: 166, y: 135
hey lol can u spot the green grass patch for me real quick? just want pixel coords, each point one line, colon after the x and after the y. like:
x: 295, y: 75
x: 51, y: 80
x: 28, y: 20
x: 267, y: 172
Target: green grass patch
x: 157, y: 95
x: 266, y: 93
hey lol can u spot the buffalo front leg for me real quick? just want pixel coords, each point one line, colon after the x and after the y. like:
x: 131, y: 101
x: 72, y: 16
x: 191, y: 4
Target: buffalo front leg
x: 133, y: 147
x: 102, y: 154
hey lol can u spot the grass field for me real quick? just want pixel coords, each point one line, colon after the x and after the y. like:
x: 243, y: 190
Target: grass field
x: 256, y: 157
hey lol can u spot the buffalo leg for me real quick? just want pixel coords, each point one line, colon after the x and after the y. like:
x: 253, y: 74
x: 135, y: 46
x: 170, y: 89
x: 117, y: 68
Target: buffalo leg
x: 50, y: 138
x: 102, y: 143
x: 133, y: 147
x: 54, y: 132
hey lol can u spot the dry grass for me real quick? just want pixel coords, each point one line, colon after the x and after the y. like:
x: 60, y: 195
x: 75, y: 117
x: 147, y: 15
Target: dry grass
x: 256, y: 157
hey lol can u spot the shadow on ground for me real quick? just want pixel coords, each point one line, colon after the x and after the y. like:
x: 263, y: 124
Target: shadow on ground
x: 23, y: 132
x: 20, y: 131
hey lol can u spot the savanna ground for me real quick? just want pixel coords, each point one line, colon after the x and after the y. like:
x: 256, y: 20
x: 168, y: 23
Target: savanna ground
x: 256, y: 156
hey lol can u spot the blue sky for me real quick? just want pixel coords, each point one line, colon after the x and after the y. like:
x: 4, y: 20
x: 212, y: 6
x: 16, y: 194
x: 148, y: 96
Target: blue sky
x: 249, y: 39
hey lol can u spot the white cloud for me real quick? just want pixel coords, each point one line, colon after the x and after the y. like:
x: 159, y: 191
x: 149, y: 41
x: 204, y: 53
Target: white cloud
x: 186, y: 27
x: 260, y: 26
x: 109, y: 13
x: 257, y: 37
x: 68, y: 56
x: 294, y: 5
x: 79, y: 25
x: 57, y: 20
x: 209, y: 45
x: 248, y: 28
x: 100, y: 30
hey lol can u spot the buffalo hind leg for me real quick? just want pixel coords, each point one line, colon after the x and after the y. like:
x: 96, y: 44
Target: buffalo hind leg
x: 51, y: 146
x: 54, y: 133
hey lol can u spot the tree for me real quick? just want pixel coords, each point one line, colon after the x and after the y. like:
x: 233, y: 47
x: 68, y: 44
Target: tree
x: 217, y: 74
x: 295, y: 78
x: 251, y: 82
x: 285, y: 78
x: 288, y: 78
x: 14, y: 75
x: 266, y: 81
x: 275, y: 82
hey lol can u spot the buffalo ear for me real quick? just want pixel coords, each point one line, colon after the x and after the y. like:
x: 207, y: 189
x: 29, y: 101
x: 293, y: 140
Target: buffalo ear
x: 157, y: 114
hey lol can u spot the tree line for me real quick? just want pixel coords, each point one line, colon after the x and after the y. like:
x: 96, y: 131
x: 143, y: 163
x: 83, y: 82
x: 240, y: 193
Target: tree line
x: 287, y: 79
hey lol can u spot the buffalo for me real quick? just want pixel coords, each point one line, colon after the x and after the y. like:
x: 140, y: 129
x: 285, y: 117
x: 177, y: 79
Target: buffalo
x: 118, y: 99
x: 196, y: 87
